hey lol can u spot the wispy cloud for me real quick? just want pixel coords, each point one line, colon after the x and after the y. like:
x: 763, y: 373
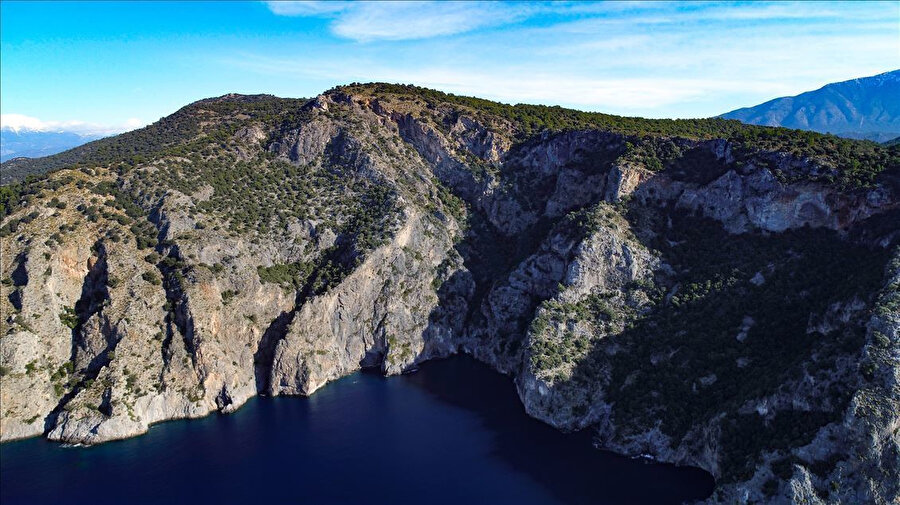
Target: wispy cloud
x: 308, y: 8
x: 654, y: 59
x: 21, y: 122
x: 523, y: 84
x: 370, y: 21
x: 407, y: 20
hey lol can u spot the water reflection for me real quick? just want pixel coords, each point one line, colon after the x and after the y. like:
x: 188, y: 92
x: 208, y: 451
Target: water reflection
x: 454, y: 432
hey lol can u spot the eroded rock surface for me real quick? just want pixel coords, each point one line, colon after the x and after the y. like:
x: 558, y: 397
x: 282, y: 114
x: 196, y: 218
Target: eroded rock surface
x: 716, y: 302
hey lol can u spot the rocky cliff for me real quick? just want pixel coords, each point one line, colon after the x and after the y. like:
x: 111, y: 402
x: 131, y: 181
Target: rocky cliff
x: 701, y: 292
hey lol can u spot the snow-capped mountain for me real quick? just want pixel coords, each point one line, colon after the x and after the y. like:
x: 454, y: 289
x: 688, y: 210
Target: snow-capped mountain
x: 866, y: 108
x: 29, y: 137
x: 36, y: 143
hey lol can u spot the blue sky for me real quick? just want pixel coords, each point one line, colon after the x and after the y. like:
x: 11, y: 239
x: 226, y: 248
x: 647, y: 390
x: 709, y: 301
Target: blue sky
x: 109, y: 66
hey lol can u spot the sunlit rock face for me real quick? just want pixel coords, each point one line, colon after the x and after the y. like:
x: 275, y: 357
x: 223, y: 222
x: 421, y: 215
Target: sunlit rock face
x: 701, y: 293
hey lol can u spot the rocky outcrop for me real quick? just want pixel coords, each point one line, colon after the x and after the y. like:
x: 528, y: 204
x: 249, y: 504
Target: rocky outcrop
x: 145, y: 335
x: 865, y: 443
x: 754, y: 199
x: 367, y: 229
x: 511, y: 303
x: 750, y: 197
x: 577, y: 166
x: 605, y: 266
x: 83, y: 364
x: 376, y: 317
x: 856, y: 458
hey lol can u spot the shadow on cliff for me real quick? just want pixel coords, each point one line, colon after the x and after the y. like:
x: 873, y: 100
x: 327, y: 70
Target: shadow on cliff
x: 265, y: 353
x: 89, y: 354
x: 736, y: 319
x: 680, y: 363
x: 19, y: 278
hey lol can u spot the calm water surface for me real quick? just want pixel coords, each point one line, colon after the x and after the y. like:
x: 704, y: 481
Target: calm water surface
x: 452, y: 433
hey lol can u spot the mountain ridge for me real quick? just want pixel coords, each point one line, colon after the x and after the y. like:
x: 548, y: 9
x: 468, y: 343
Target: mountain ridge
x: 863, y: 108
x: 34, y: 143
x: 706, y: 292
x: 531, y: 117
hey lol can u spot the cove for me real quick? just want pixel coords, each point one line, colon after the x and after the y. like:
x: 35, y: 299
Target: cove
x: 453, y: 432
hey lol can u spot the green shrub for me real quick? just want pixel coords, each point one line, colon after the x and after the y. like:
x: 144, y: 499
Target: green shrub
x: 152, y: 277
x: 69, y: 317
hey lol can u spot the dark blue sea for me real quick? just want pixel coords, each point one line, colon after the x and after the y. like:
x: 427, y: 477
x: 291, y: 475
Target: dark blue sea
x: 452, y: 433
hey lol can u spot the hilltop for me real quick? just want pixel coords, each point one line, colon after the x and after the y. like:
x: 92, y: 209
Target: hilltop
x: 705, y: 292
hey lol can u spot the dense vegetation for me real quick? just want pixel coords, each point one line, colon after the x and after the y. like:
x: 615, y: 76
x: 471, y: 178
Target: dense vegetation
x: 167, y: 134
x: 234, y: 188
x: 715, y: 340
x: 854, y: 162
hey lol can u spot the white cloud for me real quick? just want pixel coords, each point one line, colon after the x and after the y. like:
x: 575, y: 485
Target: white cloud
x: 657, y: 59
x: 20, y: 122
x: 16, y: 122
x: 655, y: 12
x: 616, y: 95
x: 133, y: 123
x: 308, y: 8
x: 408, y: 20
x: 526, y: 84
x: 417, y: 20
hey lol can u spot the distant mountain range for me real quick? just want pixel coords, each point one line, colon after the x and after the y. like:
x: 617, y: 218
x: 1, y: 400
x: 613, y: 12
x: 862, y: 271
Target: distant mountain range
x: 866, y: 108
x: 30, y: 143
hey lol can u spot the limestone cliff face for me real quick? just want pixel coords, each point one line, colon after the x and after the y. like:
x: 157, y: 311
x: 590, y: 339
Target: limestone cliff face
x: 568, y: 171
x: 678, y: 297
x: 752, y: 198
x: 379, y: 315
x: 104, y: 340
x: 605, y: 266
x: 865, y: 441
x: 82, y: 301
